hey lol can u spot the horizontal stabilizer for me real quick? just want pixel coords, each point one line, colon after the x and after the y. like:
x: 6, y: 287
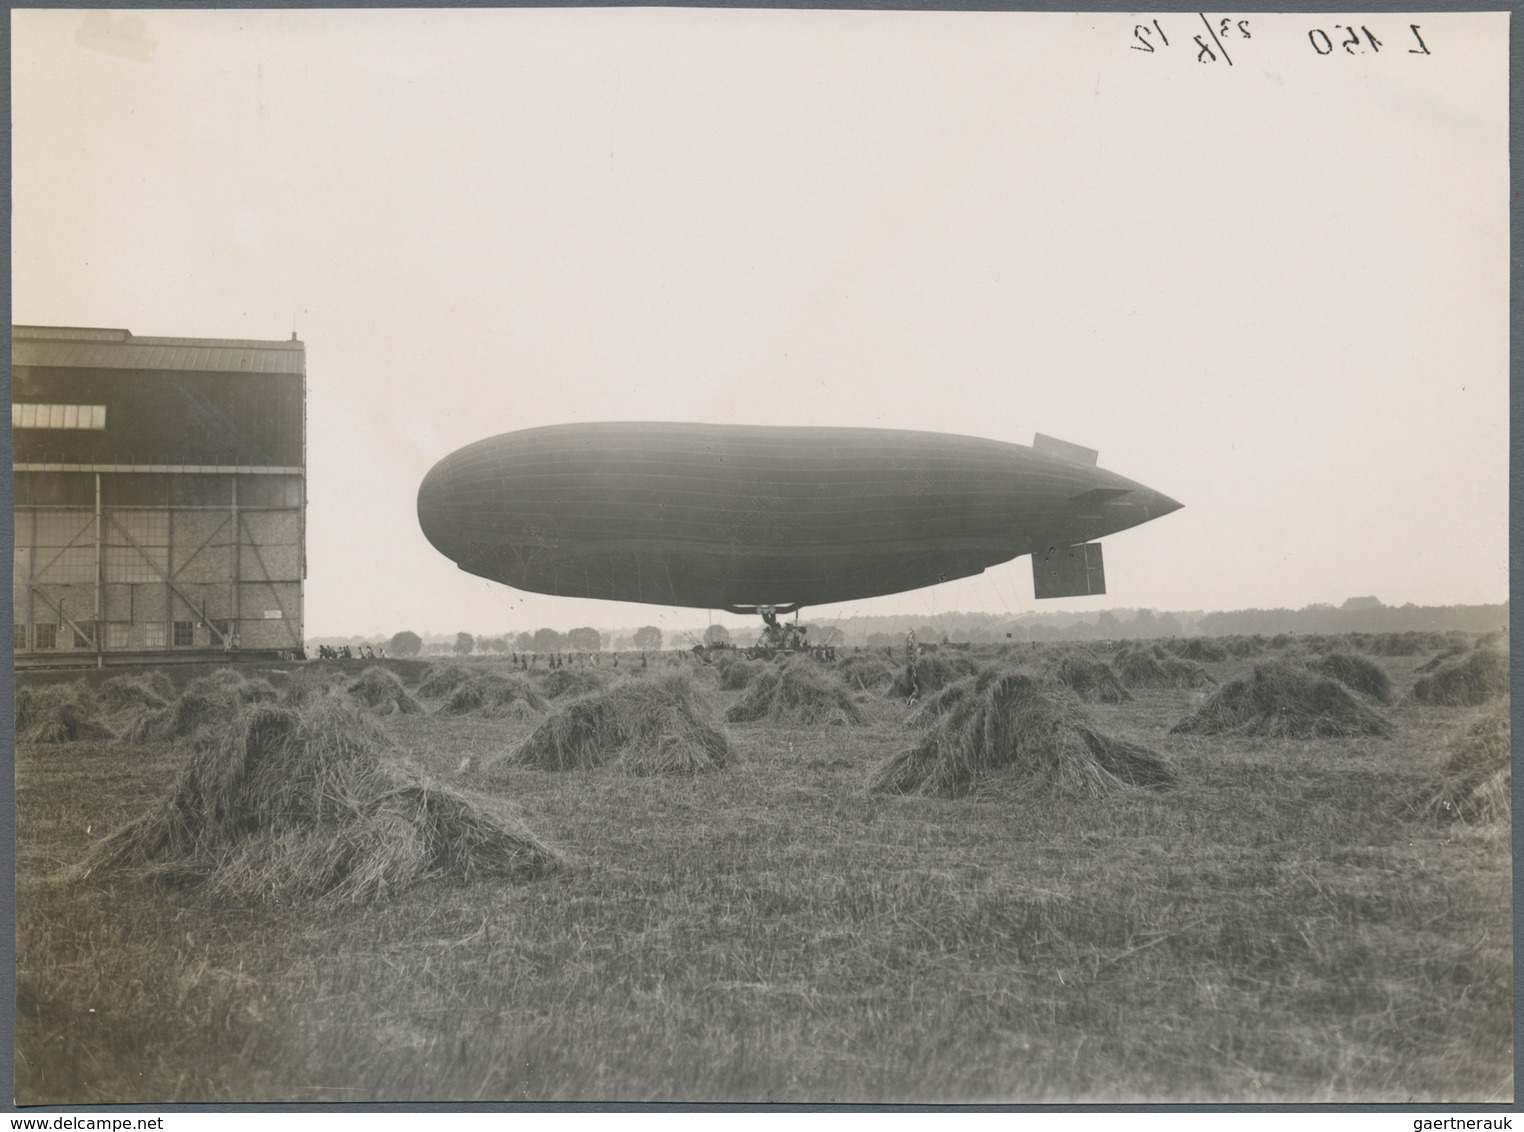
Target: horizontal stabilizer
x: 1091, y: 502
x: 1068, y: 571
x: 1074, y: 453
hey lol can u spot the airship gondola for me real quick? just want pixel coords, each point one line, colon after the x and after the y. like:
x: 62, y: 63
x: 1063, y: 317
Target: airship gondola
x: 760, y: 518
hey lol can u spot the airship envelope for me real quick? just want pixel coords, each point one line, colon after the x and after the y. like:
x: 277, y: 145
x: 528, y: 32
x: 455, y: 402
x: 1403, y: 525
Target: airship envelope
x: 745, y: 517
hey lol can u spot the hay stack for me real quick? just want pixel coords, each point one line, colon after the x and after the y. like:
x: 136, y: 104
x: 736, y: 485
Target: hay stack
x: 1448, y: 653
x: 1244, y: 646
x: 1479, y: 676
x: 206, y: 702
x: 1356, y: 673
x: 1200, y: 649
x: 933, y: 672
x: 938, y: 706
x: 1091, y: 680
x: 865, y: 672
x: 800, y: 692
x: 381, y: 691
x: 739, y: 674
x: 1154, y: 668
x: 1022, y: 733
x: 246, y: 689
x: 1403, y: 644
x: 1285, y: 700
x: 58, y: 713
x: 129, y: 700
x: 1321, y: 643
x: 288, y: 803
x: 1476, y: 782
x: 139, y: 690
x: 309, y: 681
x: 563, y: 683
x: 442, y: 679
x: 493, y: 696
x: 641, y: 726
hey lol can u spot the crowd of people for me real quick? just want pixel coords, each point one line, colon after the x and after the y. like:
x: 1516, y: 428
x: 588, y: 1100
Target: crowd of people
x: 344, y: 652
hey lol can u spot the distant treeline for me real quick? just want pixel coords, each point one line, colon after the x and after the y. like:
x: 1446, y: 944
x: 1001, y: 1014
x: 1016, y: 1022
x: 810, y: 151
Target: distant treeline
x: 1357, y: 615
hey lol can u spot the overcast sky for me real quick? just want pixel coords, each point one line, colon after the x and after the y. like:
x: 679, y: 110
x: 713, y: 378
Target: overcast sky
x: 1275, y: 291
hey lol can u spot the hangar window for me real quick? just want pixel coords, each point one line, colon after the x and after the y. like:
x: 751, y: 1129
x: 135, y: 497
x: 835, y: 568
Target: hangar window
x: 58, y: 416
x: 153, y: 635
x: 20, y: 637
x: 185, y: 634
x: 81, y: 641
x: 116, y: 635
x: 45, y: 633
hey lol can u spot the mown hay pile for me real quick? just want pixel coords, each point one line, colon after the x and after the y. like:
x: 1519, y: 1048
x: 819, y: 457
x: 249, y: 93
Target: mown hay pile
x: 1480, y: 675
x: 1321, y: 643
x: 206, y: 702
x: 1476, y: 782
x: 309, y: 681
x: 1200, y: 649
x: 246, y: 689
x: 381, y: 691
x: 802, y: 692
x: 940, y: 704
x: 442, y: 679
x: 1012, y: 730
x: 137, y: 690
x: 561, y: 683
x: 865, y: 672
x: 1357, y: 673
x: 933, y: 672
x: 1403, y: 644
x: 1448, y: 653
x: 58, y: 713
x: 1244, y: 646
x: 1285, y: 700
x: 738, y: 674
x: 494, y: 695
x: 1140, y: 667
x: 640, y: 726
x: 1091, y: 680
x: 292, y: 803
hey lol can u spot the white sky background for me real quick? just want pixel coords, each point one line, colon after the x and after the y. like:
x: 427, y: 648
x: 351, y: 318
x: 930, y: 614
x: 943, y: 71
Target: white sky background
x: 1276, y: 292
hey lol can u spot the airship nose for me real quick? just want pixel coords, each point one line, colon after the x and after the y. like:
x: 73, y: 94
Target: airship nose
x: 1157, y: 503
x: 1116, y: 503
x: 434, y: 511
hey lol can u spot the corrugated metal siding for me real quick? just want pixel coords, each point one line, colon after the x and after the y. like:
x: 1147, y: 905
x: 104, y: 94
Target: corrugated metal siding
x: 82, y: 333
x: 164, y: 417
x: 203, y: 355
x: 181, y: 408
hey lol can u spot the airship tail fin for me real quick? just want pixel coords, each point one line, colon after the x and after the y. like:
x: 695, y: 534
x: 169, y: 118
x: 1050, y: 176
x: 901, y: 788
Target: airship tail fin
x: 1068, y: 571
x: 1074, y: 453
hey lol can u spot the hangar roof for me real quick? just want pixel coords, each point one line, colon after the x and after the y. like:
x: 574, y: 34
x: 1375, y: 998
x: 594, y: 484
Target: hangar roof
x: 90, y: 348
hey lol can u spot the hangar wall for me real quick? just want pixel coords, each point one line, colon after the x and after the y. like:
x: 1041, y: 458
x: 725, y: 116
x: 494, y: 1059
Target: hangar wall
x: 160, y: 496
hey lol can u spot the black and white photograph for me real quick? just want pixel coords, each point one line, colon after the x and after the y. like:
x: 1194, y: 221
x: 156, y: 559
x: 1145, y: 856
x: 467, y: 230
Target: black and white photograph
x: 761, y: 556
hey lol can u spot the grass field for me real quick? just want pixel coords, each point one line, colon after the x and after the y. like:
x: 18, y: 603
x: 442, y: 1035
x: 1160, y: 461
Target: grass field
x: 1280, y: 926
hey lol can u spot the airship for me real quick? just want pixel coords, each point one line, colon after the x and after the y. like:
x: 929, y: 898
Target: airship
x: 765, y: 519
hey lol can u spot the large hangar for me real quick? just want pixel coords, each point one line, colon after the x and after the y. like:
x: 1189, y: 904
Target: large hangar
x: 160, y: 496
